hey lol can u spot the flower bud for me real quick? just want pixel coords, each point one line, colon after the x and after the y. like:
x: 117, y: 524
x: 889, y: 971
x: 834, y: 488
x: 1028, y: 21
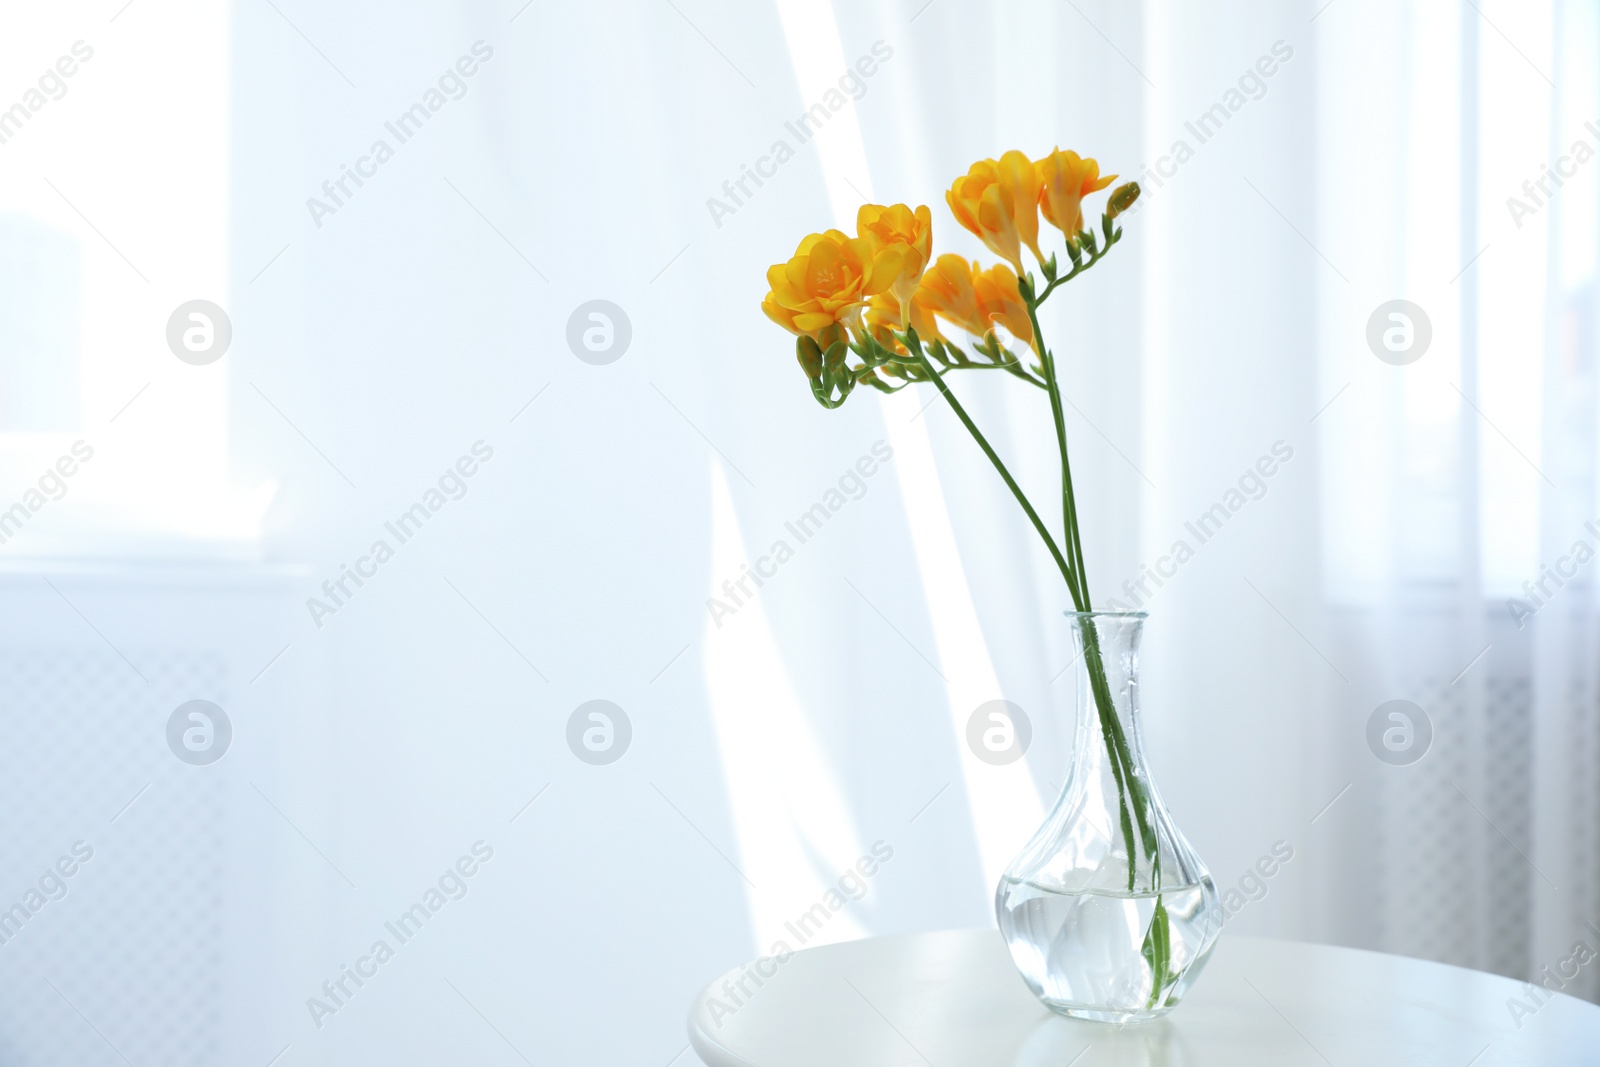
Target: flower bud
x: 810, y: 356
x: 1122, y: 198
x: 831, y: 336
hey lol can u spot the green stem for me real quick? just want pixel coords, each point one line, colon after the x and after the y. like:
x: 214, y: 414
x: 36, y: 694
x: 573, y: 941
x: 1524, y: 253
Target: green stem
x: 1094, y: 257
x: 1011, y: 483
x: 1118, y: 748
x: 1133, y: 797
x: 1128, y: 785
x: 1069, y: 509
x: 1131, y: 793
x: 1074, y: 539
x: 1009, y: 368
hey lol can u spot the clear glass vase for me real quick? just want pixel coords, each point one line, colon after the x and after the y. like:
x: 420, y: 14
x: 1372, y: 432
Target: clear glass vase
x: 1108, y: 912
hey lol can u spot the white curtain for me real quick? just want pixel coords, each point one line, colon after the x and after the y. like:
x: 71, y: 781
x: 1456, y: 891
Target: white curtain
x: 1455, y: 486
x: 1352, y: 528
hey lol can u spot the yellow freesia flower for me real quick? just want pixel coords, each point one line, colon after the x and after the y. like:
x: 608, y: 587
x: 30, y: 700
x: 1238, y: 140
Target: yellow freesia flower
x: 975, y: 300
x: 1066, y: 179
x: 1021, y: 178
x: 827, y: 281
x: 998, y: 201
x: 1000, y: 302
x: 904, y: 235
x: 984, y: 203
x: 946, y: 291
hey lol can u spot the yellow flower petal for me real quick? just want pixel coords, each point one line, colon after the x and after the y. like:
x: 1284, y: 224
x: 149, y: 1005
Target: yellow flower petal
x: 812, y: 321
x: 823, y: 284
x: 1020, y: 178
x: 779, y: 314
x: 1067, y: 178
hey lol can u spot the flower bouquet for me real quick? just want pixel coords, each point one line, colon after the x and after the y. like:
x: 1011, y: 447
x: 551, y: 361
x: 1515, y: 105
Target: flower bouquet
x: 1108, y: 913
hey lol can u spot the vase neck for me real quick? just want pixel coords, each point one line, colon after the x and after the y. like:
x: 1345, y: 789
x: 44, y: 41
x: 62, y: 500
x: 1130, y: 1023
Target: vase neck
x: 1105, y: 649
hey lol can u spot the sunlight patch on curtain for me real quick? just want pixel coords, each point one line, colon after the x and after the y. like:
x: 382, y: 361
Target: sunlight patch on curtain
x: 1003, y: 800
x: 795, y: 833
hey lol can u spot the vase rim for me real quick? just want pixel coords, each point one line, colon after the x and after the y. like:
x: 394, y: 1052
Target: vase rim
x: 1106, y: 614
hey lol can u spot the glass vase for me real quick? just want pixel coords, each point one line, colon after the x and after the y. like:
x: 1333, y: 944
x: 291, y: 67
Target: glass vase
x: 1108, y: 912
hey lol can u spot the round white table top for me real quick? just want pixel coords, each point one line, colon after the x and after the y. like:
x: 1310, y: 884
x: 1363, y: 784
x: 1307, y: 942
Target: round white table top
x: 953, y: 999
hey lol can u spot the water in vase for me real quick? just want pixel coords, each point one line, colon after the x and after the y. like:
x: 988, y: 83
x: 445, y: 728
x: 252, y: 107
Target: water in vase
x: 1108, y: 912
x: 1083, y: 952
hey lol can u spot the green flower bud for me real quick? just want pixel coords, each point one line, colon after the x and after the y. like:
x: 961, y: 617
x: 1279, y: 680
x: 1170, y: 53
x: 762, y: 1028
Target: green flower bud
x: 810, y: 356
x: 1122, y: 198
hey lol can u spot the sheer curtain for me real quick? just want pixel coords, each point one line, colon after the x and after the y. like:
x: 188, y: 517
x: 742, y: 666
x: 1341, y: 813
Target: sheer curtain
x: 1316, y: 526
x: 1305, y: 167
x: 1457, y: 486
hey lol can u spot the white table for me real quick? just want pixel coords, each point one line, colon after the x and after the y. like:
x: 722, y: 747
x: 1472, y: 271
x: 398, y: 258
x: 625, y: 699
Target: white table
x: 953, y: 999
